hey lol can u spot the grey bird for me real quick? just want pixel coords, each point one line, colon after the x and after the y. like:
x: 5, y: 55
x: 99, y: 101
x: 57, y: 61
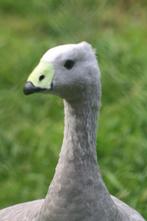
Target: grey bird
x: 77, y: 191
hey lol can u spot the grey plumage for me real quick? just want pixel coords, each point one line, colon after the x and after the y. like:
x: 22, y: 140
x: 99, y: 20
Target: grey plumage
x: 77, y: 191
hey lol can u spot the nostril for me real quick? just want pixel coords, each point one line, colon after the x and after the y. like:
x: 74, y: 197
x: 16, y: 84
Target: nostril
x: 41, y: 77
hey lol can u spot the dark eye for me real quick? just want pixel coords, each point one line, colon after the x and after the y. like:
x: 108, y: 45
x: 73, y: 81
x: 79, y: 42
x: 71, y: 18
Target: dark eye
x: 69, y: 64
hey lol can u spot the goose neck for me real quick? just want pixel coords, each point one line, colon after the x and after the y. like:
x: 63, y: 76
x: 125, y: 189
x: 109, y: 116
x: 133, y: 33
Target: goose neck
x: 79, y: 143
x: 77, y: 191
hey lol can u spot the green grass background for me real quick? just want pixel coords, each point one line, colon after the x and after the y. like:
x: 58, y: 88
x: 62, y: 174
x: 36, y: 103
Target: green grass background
x: 31, y: 128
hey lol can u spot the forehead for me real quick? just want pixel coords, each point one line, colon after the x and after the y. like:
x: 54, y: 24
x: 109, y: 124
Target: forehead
x: 70, y: 51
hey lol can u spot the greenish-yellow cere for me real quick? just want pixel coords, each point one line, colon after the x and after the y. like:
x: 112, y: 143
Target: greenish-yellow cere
x: 44, y: 69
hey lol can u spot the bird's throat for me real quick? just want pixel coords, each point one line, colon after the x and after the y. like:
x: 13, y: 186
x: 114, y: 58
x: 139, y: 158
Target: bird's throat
x: 77, y: 191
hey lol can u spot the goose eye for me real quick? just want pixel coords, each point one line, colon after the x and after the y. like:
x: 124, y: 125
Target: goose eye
x: 69, y: 64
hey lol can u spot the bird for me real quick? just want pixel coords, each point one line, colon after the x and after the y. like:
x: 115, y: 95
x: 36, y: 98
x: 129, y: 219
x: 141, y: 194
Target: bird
x: 77, y: 191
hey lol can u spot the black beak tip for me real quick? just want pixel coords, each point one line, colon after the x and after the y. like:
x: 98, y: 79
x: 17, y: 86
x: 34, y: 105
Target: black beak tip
x: 29, y: 88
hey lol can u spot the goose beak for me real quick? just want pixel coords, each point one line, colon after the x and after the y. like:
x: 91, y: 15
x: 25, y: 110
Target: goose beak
x: 29, y: 88
x: 41, y: 79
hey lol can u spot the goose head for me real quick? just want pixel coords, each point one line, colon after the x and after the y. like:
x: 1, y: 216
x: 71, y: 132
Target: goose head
x: 69, y: 71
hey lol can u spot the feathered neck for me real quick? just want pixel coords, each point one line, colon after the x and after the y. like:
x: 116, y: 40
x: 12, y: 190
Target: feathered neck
x: 77, y: 191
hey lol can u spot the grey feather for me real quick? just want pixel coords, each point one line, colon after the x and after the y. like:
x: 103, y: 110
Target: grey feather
x: 77, y: 191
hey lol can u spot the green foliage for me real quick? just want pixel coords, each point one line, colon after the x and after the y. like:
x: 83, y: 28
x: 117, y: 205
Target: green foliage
x: 32, y: 127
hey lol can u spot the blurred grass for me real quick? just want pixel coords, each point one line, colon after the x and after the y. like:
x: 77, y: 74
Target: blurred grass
x: 31, y: 128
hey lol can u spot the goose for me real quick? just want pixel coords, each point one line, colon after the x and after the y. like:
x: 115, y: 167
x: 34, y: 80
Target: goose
x: 77, y: 191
